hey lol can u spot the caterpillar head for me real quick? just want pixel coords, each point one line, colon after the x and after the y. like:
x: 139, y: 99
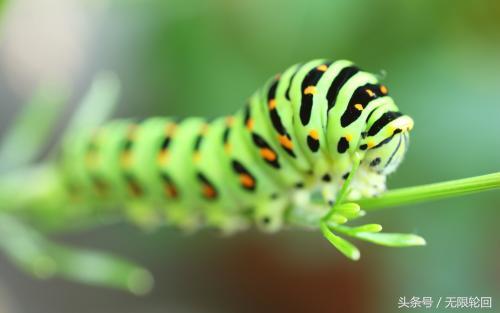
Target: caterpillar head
x: 386, y: 142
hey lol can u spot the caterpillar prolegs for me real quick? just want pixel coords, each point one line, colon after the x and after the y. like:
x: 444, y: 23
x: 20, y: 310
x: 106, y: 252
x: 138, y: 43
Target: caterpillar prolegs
x: 296, y: 140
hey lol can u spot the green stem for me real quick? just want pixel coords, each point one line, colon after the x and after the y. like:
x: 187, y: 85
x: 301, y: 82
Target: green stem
x: 409, y: 195
x: 344, y: 190
x: 448, y: 189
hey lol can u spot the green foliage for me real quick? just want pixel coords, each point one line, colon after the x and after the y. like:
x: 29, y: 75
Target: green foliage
x: 341, y: 212
x: 42, y: 258
x: 371, y: 232
x: 344, y: 246
x: 32, y: 128
x: 26, y: 247
x: 98, y: 103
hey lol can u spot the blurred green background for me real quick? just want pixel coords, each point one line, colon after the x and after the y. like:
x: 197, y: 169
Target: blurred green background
x: 195, y: 57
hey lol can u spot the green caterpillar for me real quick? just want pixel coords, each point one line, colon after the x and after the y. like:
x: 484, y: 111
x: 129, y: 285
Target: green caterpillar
x: 308, y: 150
x: 296, y: 140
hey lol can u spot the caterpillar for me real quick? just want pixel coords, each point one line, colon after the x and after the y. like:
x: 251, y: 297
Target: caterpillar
x: 309, y: 149
x: 294, y: 141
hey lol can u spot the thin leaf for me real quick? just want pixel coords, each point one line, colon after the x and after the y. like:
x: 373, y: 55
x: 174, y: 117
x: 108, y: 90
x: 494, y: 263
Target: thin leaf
x: 392, y: 239
x: 101, y: 269
x: 31, y: 129
x: 344, y: 246
x: 367, y: 228
x: 98, y: 103
x: 24, y: 248
x: 42, y: 258
x: 348, y: 208
x: 338, y: 219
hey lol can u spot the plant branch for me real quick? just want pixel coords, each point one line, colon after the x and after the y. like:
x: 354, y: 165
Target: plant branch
x: 448, y: 189
x: 403, y: 196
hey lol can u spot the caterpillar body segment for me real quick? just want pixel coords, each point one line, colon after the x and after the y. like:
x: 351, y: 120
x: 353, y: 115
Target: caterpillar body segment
x: 277, y: 95
x: 295, y: 137
x: 221, y: 207
x: 308, y: 108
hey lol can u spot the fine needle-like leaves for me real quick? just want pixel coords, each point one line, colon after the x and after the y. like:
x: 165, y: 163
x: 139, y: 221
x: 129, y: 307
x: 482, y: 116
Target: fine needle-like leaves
x: 44, y: 259
x: 100, y: 269
x: 344, y: 246
x: 371, y: 233
x: 98, y: 103
x: 392, y: 239
x: 31, y: 129
x: 341, y: 212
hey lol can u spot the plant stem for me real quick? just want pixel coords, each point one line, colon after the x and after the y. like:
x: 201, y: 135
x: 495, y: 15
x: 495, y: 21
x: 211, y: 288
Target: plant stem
x: 344, y: 190
x: 409, y: 195
x: 448, y: 189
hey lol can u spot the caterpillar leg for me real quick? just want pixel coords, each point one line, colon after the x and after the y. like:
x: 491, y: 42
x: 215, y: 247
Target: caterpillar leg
x: 329, y: 193
x: 228, y: 223
x: 143, y: 216
x: 269, y: 214
x: 186, y: 220
x: 366, y: 184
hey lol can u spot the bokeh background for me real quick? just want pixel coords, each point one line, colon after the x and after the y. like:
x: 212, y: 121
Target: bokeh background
x: 198, y: 57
